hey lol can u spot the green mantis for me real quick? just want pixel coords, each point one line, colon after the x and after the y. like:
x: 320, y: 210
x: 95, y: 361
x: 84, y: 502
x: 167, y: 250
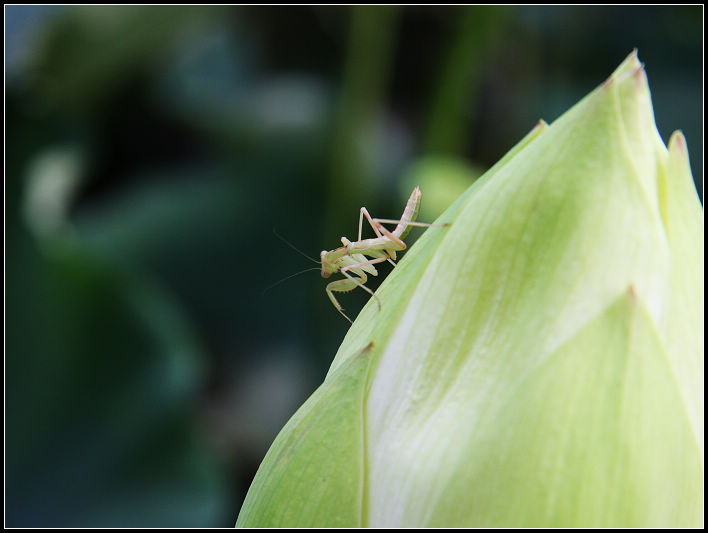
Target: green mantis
x: 350, y: 259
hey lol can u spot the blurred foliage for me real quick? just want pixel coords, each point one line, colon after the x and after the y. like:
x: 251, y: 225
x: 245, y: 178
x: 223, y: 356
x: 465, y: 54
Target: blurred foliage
x: 152, y: 150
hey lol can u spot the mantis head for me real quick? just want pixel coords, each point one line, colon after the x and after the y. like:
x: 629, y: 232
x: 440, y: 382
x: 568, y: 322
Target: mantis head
x: 330, y: 260
x: 328, y: 268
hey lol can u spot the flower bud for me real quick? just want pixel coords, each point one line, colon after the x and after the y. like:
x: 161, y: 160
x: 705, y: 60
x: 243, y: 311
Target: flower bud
x: 536, y: 363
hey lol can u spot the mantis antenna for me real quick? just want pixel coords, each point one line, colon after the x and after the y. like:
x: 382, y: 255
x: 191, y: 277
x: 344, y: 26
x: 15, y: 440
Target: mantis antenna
x: 294, y: 247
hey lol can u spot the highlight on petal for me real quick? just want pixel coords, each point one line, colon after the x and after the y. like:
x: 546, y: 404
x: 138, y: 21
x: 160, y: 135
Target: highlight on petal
x: 587, y: 437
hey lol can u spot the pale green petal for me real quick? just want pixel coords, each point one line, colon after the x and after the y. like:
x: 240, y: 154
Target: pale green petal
x: 313, y: 474
x: 590, y: 437
x: 683, y: 324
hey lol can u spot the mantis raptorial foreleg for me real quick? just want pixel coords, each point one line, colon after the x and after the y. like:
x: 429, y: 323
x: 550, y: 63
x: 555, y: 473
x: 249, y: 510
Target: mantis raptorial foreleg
x: 359, y: 279
x: 342, y: 285
x: 359, y: 270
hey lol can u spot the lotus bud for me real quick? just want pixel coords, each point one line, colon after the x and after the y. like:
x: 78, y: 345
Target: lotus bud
x: 536, y: 363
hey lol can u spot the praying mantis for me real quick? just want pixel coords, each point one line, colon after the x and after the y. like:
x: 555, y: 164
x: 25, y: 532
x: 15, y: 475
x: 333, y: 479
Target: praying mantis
x: 350, y: 259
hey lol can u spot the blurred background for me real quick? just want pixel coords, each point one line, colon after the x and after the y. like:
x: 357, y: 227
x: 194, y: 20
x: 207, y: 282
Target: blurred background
x: 152, y: 151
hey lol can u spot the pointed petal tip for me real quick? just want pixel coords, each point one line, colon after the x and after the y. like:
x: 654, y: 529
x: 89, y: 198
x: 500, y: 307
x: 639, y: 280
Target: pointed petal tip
x: 540, y: 125
x: 678, y: 149
x: 677, y: 142
x: 640, y: 75
x: 678, y: 153
x: 632, y: 60
x: 632, y: 294
x: 631, y: 66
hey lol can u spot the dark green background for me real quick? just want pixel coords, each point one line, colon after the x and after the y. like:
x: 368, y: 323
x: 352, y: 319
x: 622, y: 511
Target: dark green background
x: 151, y: 151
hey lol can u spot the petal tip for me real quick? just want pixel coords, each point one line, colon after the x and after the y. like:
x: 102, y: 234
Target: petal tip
x: 631, y: 66
x: 678, y: 152
x: 540, y: 125
x: 677, y: 141
x: 632, y: 294
x: 640, y: 75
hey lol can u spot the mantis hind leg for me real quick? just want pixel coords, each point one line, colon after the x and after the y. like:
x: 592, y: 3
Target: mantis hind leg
x: 363, y: 212
x: 398, y: 242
